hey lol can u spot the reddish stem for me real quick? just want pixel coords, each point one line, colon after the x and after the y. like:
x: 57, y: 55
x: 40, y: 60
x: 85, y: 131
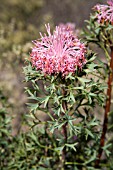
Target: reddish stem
x: 107, y: 110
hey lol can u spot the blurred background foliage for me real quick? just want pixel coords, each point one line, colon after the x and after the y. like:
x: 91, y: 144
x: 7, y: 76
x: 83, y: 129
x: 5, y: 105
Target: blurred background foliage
x: 20, y: 23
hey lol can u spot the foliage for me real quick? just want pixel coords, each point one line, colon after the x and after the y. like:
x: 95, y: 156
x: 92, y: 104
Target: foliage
x: 5, y: 129
x: 69, y: 102
x: 100, y: 32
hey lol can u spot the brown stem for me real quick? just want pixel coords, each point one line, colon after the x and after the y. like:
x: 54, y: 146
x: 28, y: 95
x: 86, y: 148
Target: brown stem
x: 64, y: 127
x: 107, y: 110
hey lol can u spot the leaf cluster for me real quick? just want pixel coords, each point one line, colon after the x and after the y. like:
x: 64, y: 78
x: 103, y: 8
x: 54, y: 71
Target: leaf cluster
x: 100, y: 34
x: 69, y: 101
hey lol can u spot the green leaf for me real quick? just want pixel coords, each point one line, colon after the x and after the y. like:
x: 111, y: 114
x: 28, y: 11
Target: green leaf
x: 93, y: 157
x: 62, y: 109
x: 88, y: 133
x: 45, y: 101
x: 83, y: 80
x: 94, y: 122
x: 89, y: 99
x: 33, y: 106
x: 72, y: 96
x: 59, y: 149
x: 92, y: 66
x: 71, y: 146
x: 69, y: 76
x: 57, y: 111
x: 92, y: 59
x: 110, y: 27
x: 105, y: 148
x: 77, y: 88
x: 92, y: 94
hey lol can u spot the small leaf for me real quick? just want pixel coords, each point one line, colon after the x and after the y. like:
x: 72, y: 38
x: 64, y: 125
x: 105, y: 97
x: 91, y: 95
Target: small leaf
x: 92, y: 59
x: 72, y: 146
x: 72, y: 97
x: 93, y: 157
x: 59, y: 149
x: 88, y: 133
x: 33, y: 106
x: 46, y: 101
x: 83, y: 80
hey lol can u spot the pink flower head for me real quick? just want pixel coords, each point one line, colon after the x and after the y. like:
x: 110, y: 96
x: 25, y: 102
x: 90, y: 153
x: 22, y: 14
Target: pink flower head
x: 104, y: 12
x: 68, y: 26
x: 60, y: 52
x: 110, y: 2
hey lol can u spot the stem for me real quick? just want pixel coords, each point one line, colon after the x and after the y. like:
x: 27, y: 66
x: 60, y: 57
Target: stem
x: 64, y: 128
x: 107, y: 110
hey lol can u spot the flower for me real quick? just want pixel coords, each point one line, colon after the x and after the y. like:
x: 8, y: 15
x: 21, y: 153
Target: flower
x: 68, y: 26
x: 60, y: 52
x: 104, y: 12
